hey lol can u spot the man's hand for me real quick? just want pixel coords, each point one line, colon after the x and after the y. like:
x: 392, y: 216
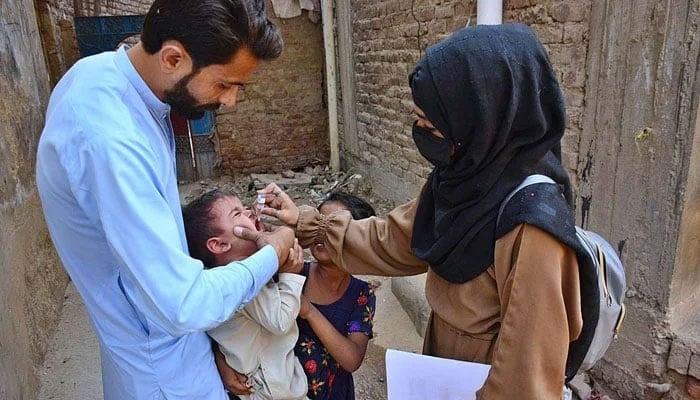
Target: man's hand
x: 282, y: 239
x: 233, y: 381
x: 295, y: 261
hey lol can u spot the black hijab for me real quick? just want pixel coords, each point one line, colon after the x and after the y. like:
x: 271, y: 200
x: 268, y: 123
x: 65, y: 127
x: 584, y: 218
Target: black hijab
x: 492, y: 92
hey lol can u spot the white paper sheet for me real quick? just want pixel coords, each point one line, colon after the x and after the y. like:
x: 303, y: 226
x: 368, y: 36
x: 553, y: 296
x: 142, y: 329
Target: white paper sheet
x: 412, y: 376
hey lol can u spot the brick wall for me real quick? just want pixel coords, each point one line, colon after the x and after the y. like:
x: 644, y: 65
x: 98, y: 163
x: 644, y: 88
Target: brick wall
x: 280, y: 121
x: 388, y: 39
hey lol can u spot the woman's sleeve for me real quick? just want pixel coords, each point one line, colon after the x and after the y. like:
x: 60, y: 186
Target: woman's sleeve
x: 372, y: 246
x: 538, y: 287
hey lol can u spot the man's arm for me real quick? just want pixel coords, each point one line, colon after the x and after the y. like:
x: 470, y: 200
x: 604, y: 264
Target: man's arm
x: 170, y: 288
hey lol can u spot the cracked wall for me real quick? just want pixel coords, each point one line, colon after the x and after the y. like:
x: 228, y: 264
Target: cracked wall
x: 636, y: 145
x: 37, y: 45
x: 31, y: 290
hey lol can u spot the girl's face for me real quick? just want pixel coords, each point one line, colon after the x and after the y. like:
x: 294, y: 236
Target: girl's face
x: 319, y: 250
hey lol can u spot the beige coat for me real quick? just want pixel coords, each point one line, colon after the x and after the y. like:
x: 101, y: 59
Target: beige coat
x: 259, y: 341
x: 519, y: 315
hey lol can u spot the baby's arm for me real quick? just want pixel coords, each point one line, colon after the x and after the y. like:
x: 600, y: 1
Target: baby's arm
x: 276, y: 307
x: 349, y: 350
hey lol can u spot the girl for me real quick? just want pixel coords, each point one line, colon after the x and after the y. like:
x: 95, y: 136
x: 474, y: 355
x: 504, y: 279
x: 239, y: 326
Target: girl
x: 335, y: 321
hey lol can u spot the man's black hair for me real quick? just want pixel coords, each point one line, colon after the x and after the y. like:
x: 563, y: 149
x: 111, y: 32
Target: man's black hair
x: 212, y: 31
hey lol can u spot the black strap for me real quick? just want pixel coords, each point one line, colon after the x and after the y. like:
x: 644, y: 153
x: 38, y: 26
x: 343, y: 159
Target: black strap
x: 543, y: 206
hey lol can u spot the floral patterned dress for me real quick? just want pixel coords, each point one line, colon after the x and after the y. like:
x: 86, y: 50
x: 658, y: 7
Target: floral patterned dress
x: 353, y: 312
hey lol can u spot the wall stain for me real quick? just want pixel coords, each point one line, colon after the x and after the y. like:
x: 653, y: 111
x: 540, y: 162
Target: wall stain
x: 621, y: 247
x: 585, y: 209
x: 586, y: 170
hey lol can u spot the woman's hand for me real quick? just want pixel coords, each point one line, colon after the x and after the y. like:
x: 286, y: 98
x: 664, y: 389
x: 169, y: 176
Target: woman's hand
x: 295, y: 261
x: 280, y: 205
x: 306, y: 307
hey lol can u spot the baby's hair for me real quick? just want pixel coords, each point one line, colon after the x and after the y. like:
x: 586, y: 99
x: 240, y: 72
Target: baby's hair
x: 197, y: 217
x: 359, y: 208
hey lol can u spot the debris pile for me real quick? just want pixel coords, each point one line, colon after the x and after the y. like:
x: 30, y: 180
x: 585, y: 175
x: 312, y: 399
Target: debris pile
x: 308, y: 186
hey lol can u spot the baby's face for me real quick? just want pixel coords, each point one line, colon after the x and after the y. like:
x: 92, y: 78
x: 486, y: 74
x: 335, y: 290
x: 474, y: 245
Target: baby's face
x: 229, y: 213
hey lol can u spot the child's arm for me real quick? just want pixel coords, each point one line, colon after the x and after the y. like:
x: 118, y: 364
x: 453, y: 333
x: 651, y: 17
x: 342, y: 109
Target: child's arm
x: 349, y: 350
x: 276, y: 307
x: 276, y: 310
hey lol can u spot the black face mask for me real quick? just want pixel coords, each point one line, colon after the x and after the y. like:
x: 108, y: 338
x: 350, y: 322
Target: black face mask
x: 434, y: 149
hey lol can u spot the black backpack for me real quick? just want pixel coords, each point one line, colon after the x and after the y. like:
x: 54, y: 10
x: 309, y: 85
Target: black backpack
x: 601, y: 272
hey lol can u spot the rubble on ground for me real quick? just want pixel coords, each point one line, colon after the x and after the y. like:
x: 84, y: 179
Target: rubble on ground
x: 309, y: 186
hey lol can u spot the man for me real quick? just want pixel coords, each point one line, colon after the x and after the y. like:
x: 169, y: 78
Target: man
x: 107, y: 181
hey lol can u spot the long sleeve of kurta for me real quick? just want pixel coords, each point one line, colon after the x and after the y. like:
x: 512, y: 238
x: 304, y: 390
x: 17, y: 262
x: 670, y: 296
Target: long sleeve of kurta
x: 372, y: 246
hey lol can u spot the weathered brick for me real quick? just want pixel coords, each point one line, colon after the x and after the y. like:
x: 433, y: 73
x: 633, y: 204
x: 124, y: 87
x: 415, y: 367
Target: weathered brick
x: 515, y: 4
x: 444, y: 11
x: 567, y: 54
x: 694, y: 368
x: 569, y: 159
x: 574, y: 117
x: 692, y: 387
x: 549, y: 33
x: 570, y: 11
x: 533, y: 15
x: 574, y: 97
x: 574, y: 76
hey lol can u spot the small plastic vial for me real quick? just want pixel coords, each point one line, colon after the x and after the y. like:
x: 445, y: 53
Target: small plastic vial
x: 259, y: 204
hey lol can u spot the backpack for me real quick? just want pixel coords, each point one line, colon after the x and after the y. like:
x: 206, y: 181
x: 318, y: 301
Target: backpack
x: 601, y: 273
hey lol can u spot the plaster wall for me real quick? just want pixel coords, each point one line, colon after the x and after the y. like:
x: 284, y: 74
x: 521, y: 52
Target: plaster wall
x: 637, y: 180
x: 33, y: 283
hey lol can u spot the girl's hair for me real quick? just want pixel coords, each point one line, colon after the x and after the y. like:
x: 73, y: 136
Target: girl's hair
x: 359, y: 208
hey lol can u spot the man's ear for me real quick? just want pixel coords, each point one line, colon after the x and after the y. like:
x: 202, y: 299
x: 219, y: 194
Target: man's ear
x: 173, y: 58
x: 217, y: 246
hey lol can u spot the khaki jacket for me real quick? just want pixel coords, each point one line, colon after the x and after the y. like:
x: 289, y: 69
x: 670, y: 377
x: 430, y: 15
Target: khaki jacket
x: 519, y: 315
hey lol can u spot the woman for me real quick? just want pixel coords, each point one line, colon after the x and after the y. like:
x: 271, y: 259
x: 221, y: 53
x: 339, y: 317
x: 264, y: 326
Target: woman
x: 489, y: 113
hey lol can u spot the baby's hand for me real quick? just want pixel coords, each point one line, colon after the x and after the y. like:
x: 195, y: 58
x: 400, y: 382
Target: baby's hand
x: 295, y: 261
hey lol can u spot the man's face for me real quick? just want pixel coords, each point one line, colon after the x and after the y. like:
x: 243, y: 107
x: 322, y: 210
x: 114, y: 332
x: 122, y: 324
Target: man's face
x: 229, y: 213
x: 206, y: 89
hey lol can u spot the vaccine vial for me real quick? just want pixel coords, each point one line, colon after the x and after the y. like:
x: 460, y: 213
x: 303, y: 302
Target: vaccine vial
x: 259, y: 204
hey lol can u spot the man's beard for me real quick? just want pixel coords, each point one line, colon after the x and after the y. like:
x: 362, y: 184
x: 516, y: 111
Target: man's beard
x: 183, y: 103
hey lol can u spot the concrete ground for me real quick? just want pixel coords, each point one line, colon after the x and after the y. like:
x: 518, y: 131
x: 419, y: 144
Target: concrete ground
x: 72, y: 367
